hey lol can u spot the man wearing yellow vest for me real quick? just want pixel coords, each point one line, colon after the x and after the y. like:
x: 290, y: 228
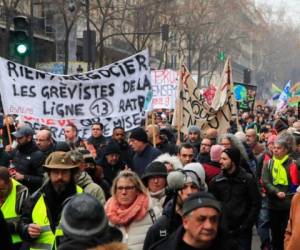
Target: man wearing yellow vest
x: 40, y: 221
x: 12, y: 196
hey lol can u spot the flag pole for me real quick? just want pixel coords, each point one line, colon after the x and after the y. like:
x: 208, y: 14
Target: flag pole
x: 147, y: 119
x: 153, y: 129
x: 179, y: 107
x: 6, y: 120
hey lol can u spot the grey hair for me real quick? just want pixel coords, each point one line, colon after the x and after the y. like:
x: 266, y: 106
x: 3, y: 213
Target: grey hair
x: 235, y: 143
x: 286, y: 140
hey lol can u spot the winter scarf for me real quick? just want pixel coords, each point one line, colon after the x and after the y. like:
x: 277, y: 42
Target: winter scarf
x: 123, y: 217
x: 159, y: 194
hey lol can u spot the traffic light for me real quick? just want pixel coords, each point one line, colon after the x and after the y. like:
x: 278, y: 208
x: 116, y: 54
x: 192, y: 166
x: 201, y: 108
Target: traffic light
x: 21, y: 40
x: 165, y: 32
x: 221, y: 55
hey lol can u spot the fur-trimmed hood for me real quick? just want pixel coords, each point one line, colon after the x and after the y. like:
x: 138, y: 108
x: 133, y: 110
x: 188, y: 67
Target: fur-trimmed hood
x: 172, y: 159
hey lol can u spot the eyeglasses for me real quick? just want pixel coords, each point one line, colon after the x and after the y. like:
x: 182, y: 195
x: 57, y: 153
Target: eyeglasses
x: 126, y: 188
x: 206, y: 145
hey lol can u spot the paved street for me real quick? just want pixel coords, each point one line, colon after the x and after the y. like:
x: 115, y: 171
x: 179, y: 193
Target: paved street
x: 255, y: 240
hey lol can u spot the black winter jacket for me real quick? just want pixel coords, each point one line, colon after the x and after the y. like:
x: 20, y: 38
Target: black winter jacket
x: 174, y: 241
x: 163, y: 226
x: 56, y: 146
x: 28, y: 160
x: 240, y: 198
x: 109, y: 171
x: 4, y: 158
x: 126, y: 153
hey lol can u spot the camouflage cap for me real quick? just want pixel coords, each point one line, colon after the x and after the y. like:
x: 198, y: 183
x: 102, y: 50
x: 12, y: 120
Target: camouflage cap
x: 62, y: 160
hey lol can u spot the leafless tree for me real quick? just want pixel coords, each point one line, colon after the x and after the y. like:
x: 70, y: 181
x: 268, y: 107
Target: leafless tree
x: 204, y: 28
x: 69, y: 15
x: 139, y: 21
x: 279, y: 57
x: 107, y: 15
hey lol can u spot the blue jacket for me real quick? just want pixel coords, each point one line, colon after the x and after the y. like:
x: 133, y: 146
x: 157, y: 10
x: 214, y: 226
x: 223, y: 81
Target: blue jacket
x: 141, y: 160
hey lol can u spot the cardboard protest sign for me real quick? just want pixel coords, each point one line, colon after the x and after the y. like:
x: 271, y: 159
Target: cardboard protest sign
x: 244, y: 95
x: 164, y: 86
x: 209, y: 93
x: 111, y: 91
x: 192, y: 108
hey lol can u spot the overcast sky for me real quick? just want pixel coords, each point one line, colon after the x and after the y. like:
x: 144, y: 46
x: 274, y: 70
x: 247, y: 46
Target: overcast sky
x: 293, y: 7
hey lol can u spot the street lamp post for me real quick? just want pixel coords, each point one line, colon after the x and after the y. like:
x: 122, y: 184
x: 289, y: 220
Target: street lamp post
x: 88, y: 31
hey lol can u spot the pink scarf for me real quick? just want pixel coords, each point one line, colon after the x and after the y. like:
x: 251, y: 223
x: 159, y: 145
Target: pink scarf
x: 124, y: 217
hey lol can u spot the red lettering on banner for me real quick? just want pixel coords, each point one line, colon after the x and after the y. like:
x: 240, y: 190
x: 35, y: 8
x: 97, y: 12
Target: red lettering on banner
x: 48, y: 122
x: 165, y: 77
x: 62, y: 123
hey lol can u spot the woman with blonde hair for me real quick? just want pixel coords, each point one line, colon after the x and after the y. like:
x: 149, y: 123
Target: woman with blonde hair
x: 130, y: 209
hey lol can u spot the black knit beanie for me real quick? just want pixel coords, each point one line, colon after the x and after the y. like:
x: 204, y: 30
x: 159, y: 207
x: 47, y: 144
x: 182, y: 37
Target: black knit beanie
x: 198, y: 200
x: 234, y: 154
x: 139, y: 134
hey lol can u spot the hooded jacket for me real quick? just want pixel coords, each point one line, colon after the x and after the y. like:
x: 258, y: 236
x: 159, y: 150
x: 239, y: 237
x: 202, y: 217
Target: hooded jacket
x: 86, y: 183
x: 172, y: 159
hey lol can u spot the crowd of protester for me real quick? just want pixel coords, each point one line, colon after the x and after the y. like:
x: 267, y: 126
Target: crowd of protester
x: 145, y: 190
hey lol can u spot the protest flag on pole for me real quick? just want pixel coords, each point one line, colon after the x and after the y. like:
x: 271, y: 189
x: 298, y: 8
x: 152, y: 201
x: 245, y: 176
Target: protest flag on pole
x: 283, y: 98
x: 276, y: 91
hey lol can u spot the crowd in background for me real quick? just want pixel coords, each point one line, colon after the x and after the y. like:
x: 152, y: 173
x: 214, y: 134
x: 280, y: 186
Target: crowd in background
x: 152, y: 188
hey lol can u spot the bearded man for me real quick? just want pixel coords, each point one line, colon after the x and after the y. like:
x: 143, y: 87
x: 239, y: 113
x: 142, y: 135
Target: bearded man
x: 40, y: 219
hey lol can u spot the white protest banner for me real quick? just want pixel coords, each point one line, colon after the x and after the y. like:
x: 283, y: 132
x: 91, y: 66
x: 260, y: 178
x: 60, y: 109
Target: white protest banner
x: 111, y: 91
x: 128, y: 122
x: 164, y: 86
x: 192, y: 108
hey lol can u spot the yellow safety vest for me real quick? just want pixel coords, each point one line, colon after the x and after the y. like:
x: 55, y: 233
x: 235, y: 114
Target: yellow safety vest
x: 47, y: 239
x: 8, y: 209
